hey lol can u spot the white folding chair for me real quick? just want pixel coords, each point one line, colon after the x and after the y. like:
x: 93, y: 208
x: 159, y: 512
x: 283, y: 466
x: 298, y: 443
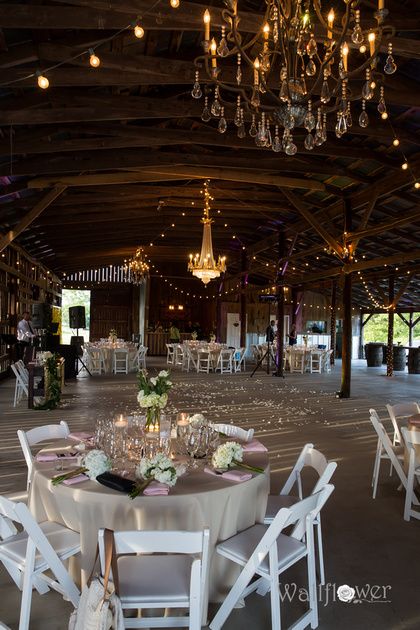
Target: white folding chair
x: 400, y: 411
x: 27, y: 555
x: 297, y: 361
x: 326, y: 360
x: 191, y: 358
x: 44, y: 433
x: 308, y: 458
x: 179, y: 354
x: 170, y: 354
x: 239, y: 359
x: 204, y: 361
x: 141, y: 359
x: 411, y: 439
x: 96, y: 360
x: 385, y: 450
x: 316, y: 362
x: 264, y: 550
x: 168, y: 571
x: 233, y: 431
x: 21, y: 388
x: 120, y: 361
x: 224, y: 361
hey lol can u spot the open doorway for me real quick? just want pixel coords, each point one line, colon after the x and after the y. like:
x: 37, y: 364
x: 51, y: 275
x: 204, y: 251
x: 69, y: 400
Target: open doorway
x: 74, y: 297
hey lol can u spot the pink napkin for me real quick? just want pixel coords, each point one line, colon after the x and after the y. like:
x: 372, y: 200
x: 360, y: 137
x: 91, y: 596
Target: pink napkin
x: 254, y: 446
x: 52, y: 457
x: 77, y: 479
x: 156, y: 488
x: 80, y: 436
x: 231, y: 475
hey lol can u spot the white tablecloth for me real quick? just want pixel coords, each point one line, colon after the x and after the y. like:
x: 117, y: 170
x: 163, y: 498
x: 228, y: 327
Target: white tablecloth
x: 198, y: 500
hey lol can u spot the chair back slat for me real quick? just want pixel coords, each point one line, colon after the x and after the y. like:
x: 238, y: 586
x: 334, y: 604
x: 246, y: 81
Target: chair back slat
x: 158, y: 542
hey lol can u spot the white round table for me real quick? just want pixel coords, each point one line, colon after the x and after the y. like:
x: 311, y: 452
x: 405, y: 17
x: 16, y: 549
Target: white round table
x: 198, y: 500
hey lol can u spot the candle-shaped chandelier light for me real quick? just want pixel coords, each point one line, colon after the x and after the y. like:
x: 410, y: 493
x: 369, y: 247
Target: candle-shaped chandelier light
x: 138, y: 267
x: 305, y: 67
x: 203, y: 265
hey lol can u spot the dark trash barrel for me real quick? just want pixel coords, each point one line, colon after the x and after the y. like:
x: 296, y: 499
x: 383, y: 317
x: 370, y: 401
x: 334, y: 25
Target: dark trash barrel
x: 414, y: 360
x: 399, y: 358
x: 373, y: 354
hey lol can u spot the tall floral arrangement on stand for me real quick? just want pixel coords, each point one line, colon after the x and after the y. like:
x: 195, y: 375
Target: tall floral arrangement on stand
x: 153, y: 395
x: 113, y: 336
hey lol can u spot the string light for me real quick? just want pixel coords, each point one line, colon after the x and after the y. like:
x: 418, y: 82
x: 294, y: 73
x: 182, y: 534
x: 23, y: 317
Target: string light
x: 138, y: 31
x: 174, y: 4
x: 396, y: 142
x: 42, y: 81
x: 94, y: 60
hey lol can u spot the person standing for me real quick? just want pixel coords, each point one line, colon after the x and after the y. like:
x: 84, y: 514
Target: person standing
x: 174, y: 334
x: 269, y: 333
x: 25, y: 333
x: 293, y: 335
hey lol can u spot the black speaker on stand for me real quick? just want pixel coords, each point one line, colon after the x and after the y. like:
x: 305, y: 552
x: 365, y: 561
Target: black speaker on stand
x: 77, y: 319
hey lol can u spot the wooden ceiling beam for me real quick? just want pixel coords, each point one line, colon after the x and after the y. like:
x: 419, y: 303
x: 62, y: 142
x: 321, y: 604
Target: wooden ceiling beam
x: 31, y: 216
x: 386, y: 226
x: 187, y: 17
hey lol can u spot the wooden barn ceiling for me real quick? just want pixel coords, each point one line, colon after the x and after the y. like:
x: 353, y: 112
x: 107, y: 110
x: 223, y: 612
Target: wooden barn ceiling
x: 125, y: 152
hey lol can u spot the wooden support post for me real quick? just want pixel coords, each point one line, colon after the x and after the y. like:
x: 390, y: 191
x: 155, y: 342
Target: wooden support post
x: 361, y: 336
x: 333, y: 321
x: 219, y: 311
x: 347, y: 323
x: 390, y: 348
x: 244, y: 282
x: 410, y: 330
x: 294, y: 305
x: 280, y: 309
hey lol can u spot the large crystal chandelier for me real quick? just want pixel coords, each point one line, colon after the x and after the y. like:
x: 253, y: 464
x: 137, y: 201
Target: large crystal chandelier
x: 305, y: 67
x: 137, y: 266
x: 203, y: 265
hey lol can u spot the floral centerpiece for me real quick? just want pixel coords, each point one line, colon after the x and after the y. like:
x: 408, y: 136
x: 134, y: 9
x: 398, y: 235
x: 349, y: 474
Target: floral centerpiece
x: 52, y: 380
x: 159, y: 468
x: 213, y: 338
x: 230, y: 454
x: 194, y: 335
x: 113, y: 335
x: 42, y: 357
x: 95, y: 463
x: 153, y: 395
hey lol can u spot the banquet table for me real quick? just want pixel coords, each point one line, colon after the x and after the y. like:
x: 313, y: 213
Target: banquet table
x: 108, y: 350
x: 198, y: 500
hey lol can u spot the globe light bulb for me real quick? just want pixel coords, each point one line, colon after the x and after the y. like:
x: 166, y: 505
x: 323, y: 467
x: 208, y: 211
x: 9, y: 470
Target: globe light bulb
x: 174, y: 3
x: 362, y: 49
x: 404, y: 166
x: 417, y: 185
x: 43, y: 82
x: 94, y: 59
x: 396, y: 142
x: 384, y: 115
x: 138, y: 31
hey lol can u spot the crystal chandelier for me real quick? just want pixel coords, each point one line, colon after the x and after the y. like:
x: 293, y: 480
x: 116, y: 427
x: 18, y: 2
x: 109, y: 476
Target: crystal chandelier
x: 137, y: 266
x: 303, y: 68
x: 203, y: 265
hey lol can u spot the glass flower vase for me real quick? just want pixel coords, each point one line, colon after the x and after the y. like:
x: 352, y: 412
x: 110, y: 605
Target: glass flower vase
x: 153, y: 420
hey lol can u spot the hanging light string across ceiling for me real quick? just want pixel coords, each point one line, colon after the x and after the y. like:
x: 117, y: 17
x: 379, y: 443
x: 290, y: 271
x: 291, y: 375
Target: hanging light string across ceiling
x: 94, y: 60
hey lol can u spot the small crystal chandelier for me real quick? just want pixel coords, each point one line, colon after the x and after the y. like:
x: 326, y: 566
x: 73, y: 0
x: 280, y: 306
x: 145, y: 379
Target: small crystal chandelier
x: 137, y: 267
x: 204, y: 266
x: 301, y: 69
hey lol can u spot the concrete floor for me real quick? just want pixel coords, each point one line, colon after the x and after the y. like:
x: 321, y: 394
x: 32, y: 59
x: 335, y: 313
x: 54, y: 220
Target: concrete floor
x: 366, y: 541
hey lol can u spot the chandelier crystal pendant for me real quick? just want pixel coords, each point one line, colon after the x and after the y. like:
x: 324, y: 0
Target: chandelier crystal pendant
x: 137, y: 267
x: 305, y: 67
x: 203, y: 265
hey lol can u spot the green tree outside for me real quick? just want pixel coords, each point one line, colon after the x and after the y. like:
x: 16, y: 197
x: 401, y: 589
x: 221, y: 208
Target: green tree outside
x: 74, y: 297
x: 377, y: 330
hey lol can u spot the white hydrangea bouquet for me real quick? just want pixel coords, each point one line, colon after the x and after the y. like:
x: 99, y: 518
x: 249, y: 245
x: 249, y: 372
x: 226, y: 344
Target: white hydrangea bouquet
x: 159, y: 468
x: 230, y: 454
x: 95, y: 463
x: 153, y: 395
x: 198, y: 420
x: 42, y: 357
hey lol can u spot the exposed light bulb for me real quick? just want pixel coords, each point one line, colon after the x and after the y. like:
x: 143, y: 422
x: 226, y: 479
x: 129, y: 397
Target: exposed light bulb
x: 395, y: 142
x: 138, y: 31
x: 404, y: 166
x: 417, y: 185
x: 362, y: 49
x: 94, y: 60
x: 43, y: 82
x: 174, y: 3
x: 384, y: 115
